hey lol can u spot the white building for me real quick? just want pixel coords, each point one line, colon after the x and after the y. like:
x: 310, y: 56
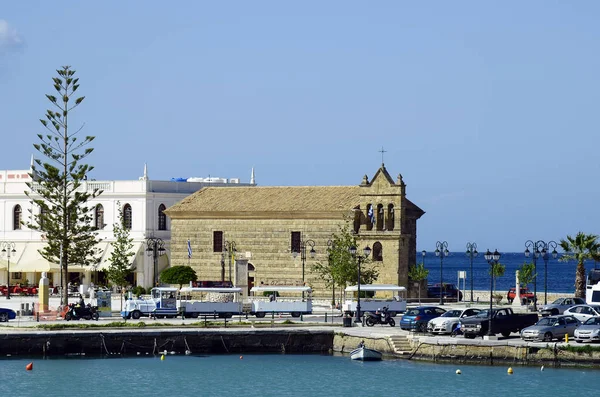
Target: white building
x: 143, y: 202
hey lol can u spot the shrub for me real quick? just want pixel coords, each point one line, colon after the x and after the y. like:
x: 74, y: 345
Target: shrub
x: 138, y: 290
x: 497, y: 298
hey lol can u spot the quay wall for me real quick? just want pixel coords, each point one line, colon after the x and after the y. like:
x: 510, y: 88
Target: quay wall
x: 295, y: 340
x: 499, y: 352
x: 148, y: 342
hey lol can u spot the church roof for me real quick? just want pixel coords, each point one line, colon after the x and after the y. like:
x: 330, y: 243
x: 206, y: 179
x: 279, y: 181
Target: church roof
x: 281, y: 199
x: 270, y: 199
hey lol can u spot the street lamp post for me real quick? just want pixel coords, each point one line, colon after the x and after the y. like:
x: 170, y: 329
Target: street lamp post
x: 472, y: 253
x: 302, y: 253
x: 423, y: 253
x: 545, y: 256
x: 8, y: 248
x: 155, y: 247
x: 441, y: 250
x: 330, y: 246
x: 540, y: 247
x: 229, y: 246
x: 359, y: 259
x: 492, y: 259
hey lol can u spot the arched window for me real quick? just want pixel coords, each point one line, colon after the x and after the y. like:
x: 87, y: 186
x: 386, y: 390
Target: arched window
x: 377, y: 252
x: 380, y: 216
x: 127, y: 216
x: 17, y: 213
x: 41, y: 219
x: 357, y: 216
x: 99, y: 217
x: 370, y: 217
x: 162, y: 218
x: 390, y: 217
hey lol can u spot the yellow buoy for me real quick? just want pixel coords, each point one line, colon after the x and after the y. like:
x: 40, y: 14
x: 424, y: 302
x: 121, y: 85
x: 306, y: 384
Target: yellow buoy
x: 510, y: 371
x: 458, y: 372
x: 162, y: 357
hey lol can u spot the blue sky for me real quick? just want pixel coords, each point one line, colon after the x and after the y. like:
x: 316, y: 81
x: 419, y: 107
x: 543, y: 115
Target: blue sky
x: 488, y: 109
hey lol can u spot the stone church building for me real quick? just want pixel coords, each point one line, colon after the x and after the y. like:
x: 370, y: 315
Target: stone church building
x: 266, y: 225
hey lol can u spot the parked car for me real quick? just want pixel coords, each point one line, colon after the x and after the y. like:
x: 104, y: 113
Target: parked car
x: 550, y: 328
x: 559, y: 306
x: 416, y: 319
x: 449, y: 291
x: 526, y: 295
x: 449, y: 320
x: 588, y: 331
x: 7, y: 314
x: 504, y: 321
x: 583, y: 312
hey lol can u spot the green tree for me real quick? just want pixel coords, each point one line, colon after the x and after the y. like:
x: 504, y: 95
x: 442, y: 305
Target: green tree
x: 327, y: 272
x: 418, y: 273
x: 580, y: 248
x: 178, y: 275
x: 341, y: 268
x: 120, y: 262
x: 63, y: 217
x: 496, y: 271
x: 526, y: 274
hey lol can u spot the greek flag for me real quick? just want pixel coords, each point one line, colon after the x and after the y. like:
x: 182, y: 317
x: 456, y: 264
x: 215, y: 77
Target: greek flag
x: 370, y: 214
x: 189, y: 250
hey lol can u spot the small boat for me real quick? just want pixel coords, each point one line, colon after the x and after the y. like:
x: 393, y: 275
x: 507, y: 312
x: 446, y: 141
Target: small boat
x: 364, y: 354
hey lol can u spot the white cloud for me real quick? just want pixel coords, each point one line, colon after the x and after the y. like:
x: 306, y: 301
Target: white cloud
x: 9, y: 38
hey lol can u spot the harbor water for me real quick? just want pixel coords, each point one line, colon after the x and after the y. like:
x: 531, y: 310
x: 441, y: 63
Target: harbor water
x: 283, y: 375
x: 561, y: 275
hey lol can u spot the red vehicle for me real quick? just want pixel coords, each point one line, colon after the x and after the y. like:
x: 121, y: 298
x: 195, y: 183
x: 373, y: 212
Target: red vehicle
x: 526, y: 296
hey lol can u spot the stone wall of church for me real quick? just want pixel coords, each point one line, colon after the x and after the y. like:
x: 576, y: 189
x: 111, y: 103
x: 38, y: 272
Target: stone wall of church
x: 266, y: 243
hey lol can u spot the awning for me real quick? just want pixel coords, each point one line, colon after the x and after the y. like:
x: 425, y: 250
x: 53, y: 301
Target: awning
x: 14, y: 256
x: 105, y: 260
x: 28, y: 259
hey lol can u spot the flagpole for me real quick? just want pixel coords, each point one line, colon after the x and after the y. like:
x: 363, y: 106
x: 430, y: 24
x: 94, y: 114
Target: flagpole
x: 189, y: 247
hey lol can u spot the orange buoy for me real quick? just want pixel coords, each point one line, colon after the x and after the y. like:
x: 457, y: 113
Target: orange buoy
x: 29, y: 367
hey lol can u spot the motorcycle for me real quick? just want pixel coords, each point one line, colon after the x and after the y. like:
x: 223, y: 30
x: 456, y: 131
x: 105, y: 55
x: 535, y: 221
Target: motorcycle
x: 382, y: 318
x: 87, y: 312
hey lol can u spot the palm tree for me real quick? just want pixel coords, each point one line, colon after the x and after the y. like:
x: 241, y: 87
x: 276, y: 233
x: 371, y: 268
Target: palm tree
x: 582, y: 247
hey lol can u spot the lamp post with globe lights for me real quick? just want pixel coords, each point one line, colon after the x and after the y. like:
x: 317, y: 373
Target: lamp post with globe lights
x: 359, y: 259
x: 492, y: 259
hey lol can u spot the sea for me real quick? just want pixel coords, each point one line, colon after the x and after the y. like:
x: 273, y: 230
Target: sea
x: 284, y: 375
x: 561, y: 275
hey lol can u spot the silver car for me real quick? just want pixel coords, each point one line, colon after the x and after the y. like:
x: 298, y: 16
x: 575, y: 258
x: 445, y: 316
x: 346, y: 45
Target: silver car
x: 559, y: 306
x: 550, y: 328
x: 588, y: 331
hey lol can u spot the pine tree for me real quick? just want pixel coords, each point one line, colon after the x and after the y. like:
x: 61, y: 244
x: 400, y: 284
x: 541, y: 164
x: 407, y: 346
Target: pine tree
x: 63, y: 216
x: 120, y: 264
